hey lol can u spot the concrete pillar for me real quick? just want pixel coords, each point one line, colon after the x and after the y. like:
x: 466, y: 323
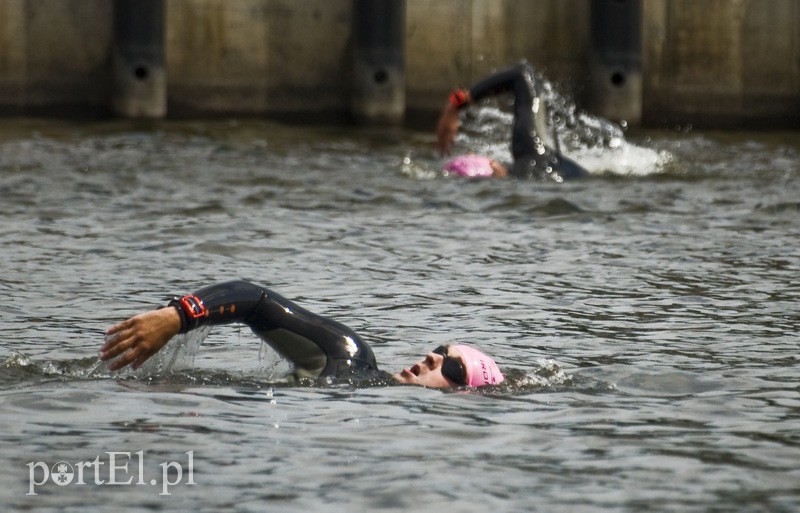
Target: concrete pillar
x: 615, y: 60
x: 378, y: 93
x: 139, y: 76
x: 13, y: 58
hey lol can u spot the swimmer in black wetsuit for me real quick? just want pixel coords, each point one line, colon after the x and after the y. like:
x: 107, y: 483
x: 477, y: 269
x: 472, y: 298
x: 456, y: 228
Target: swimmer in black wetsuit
x: 316, y: 345
x: 533, y: 146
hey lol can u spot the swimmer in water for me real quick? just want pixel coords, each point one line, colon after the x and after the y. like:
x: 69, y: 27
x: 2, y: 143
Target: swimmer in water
x: 316, y: 345
x: 533, y: 146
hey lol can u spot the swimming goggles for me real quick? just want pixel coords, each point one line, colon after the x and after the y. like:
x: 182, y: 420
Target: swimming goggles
x: 452, y: 369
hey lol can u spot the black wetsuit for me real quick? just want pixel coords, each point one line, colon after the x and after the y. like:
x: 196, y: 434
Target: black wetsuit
x: 316, y: 345
x: 533, y: 146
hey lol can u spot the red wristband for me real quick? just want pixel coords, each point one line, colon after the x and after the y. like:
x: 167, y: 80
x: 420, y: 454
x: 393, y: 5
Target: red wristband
x: 458, y: 98
x: 191, y: 306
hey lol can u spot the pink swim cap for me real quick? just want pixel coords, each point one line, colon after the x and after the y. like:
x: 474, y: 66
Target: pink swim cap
x: 481, y: 369
x: 470, y: 166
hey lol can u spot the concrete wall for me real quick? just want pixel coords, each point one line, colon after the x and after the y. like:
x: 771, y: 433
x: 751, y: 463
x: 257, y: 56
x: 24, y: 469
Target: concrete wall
x: 706, y: 62
x: 459, y: 41
x: 54, y: 54
x: 258, y: 56
x: 717, y: 62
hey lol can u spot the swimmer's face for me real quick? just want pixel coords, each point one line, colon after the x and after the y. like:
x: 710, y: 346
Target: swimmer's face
x: 428, y: 371
x: 498, y: 169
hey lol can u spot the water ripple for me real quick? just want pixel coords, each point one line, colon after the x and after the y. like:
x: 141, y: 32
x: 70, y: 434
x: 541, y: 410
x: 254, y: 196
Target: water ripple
x: 646, y: 317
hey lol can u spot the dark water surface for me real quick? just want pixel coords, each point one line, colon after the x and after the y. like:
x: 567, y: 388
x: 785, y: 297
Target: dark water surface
x: 648, y: 318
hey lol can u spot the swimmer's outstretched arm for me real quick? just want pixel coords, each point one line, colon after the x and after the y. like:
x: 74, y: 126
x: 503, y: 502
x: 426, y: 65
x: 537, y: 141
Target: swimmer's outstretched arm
x: 516, y: 80
x: 450, y: 121
x: 315, y: 344
x: 513, y: 80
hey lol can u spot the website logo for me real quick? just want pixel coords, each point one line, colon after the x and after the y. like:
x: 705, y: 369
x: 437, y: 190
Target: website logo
x: 112, y: 468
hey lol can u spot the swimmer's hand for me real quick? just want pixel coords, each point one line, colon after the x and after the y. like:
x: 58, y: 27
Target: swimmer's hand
x: 447, y: 128
x: 134, y: 341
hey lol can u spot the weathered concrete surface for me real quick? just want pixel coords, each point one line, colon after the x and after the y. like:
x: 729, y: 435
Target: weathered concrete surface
x: 615, y: 60
x: 705, y: 62
x: 12, y: 55
x: 378, y: 87
x: 54, y: 54
x: 139, y: 88
x: 459, y: 41
x: 258, y: 56
x: 722, y: 62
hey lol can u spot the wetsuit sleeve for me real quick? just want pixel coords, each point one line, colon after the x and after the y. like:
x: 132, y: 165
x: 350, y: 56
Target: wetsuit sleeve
x: 316, y: 345
x: 525, y: 138
x: 534, y: 144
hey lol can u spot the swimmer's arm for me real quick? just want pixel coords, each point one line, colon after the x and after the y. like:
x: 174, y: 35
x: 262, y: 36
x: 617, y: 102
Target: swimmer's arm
x: 133, y: 341
x: 313, y: 343
x: 306, y: 339
x: 448, y: 125
x: 450, y: 122
x: 498, y: 83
